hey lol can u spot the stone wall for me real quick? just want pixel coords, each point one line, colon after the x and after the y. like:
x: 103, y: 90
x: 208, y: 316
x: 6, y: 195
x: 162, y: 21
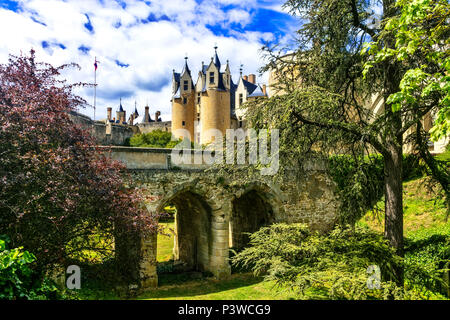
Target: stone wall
x: 104, y: 133
x: 152, y: 126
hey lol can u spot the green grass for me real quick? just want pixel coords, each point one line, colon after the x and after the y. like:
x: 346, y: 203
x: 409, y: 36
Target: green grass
x: 165, y: 242
x: 427, y: 234
x: 423, y: 208
x: 237, y: 287
x: 445, y: 156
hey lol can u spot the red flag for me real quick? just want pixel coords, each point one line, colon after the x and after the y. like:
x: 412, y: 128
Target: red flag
x: 95, y: 64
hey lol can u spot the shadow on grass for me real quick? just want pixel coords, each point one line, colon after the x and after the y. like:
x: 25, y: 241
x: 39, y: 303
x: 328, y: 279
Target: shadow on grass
x: 178, y: 286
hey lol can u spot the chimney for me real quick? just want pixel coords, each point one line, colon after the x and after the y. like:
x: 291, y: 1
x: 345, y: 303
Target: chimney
x: 157, y: 114
x: 114, y: 119
x: 108, y: 113
x: 252, y: 78
x: 146, y: 114
x: 264, y: 90
x: 245, y: 78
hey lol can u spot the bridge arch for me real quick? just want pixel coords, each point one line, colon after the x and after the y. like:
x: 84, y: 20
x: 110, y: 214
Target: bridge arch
x: 253, y: 207
x: 192, y: 228
x: 222, y: 199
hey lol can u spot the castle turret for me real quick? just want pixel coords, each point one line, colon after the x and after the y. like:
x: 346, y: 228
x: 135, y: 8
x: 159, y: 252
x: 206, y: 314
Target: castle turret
x: 134, y: 115
x: 183, y: 103
x: 121, y: 113
x: 215, y: 102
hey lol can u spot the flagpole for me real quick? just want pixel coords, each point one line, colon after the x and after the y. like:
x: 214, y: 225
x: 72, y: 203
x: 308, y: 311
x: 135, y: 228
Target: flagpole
x: 95, y: 85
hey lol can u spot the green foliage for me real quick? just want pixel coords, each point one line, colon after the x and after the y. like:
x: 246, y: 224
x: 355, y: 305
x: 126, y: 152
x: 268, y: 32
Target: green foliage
x: 359, y: 184
x: 332, y: 266
x: 445, y: 156
x: 154, y: 139
x: 360, y: 181
x: 427, y: 259
x: 56, y: 191
x: 168, y: 214
x: 421, y: 33
x: 18, y: 280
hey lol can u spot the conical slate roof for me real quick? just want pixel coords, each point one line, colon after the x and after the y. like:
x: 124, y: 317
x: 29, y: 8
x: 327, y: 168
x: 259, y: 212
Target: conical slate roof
x: 216, y: 59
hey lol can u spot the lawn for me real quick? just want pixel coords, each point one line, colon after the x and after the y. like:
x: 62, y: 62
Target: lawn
x: 423, y: 208
x: 165, y: 242
x: 237, y: 287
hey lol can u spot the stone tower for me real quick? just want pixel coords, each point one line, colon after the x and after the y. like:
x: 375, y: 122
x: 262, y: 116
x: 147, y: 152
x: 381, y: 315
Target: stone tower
x: 214, y: 100
x: 209, y: 108
x: 183, y: 104
x: 121, y: 114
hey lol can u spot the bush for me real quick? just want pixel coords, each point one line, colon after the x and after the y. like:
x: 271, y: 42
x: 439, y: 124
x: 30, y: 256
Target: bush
x: 318, y: 266
x: 18, y: 280
x: 57, y: 190
x: 153, y: 139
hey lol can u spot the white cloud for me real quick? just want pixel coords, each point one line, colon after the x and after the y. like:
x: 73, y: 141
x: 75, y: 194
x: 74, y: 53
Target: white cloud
x: 150, y: 49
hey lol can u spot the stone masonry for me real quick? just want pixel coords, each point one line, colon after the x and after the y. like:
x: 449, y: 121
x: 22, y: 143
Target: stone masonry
x: 214, y: 209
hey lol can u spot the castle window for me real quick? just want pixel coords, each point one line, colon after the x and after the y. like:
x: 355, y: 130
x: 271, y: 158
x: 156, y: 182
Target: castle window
x: 198, y: 98
x: 211, y: 77
x: 183, y: 123
x: 184, y: 100
x: 241, y: 99
x: 185, y: 85
x: 240, y: 123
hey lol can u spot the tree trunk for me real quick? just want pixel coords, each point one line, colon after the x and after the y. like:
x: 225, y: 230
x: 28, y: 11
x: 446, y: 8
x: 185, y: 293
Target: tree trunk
x: 393, y: 225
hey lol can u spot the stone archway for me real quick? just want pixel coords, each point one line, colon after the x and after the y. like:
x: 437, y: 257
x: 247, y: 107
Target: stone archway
x: 221, y: 201
x: 251, y: 210
x: 192, y: 239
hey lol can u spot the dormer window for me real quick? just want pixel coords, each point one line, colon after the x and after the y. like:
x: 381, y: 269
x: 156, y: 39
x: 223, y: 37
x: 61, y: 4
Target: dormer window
x: 211, y: 77
x: 184, y: 100
x: 241, y: 99
x: 185, y: 85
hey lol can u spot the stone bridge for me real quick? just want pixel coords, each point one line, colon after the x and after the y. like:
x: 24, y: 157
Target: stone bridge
x: 216, y: 208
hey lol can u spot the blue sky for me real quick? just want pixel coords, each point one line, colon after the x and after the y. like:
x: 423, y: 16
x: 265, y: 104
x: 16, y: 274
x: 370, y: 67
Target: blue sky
x: 138, y: 43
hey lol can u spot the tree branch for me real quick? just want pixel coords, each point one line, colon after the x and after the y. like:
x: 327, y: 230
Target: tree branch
x: 339, y: 126
x: 357, y: 23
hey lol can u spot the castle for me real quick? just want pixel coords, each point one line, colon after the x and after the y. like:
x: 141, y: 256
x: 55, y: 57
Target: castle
x: 212, y: 103
x: 116, y: 130
x: 139, y: 124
